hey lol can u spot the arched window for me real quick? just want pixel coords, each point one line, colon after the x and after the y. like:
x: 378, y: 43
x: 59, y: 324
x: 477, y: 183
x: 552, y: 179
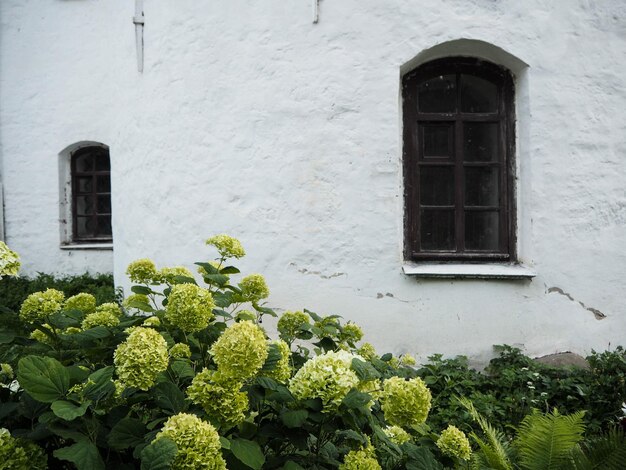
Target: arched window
x: 91, y: 194
x: 458, y: 161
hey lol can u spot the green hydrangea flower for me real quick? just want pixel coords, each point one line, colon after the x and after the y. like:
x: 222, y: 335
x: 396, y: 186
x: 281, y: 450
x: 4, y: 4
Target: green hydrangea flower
x: 351, y: 332
x: 140, y: 358
x: 100, y: 319
x: 282, y: 372
x: 289, y: 324
x: 40, y: 336
x: 135, y: 298
x: 6, y: 370
x: 198, y: 443
x: 220, y: 396
x: 243, y: 315
x: 20, y: 454
x: 407, y: 360
x: 41, y: 305
x: 168, y: 274
x: 152, y: 322
x: 397, y: 435
x: 111, y: 308
x: 328, y: 326
x: 367, y: 351
x: 327, y: 376
x: 228, y: 247
x: 189, y: 307
x: 71, y: 330
x: 180, y: 351
x: 241, y: 350
x: 454, y: 442
x: 9, y: 261
x: 405, y: 403
x: 84, y: 302
x: 364, y: 459
x: 143, y: 271
x: 253, y: 288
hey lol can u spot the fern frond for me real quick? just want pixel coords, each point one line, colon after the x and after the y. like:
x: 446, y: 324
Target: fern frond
x: 549, y: 441
x: 605, y: 453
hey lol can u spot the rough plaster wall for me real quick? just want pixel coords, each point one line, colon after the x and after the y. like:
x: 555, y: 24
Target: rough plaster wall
x: 251, y: 120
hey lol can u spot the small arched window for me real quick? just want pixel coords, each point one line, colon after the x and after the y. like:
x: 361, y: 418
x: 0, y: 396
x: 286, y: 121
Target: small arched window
x: 91, y: 195
x: 458, y: 161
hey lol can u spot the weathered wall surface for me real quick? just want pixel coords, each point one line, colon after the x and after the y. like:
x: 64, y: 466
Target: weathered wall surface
x: 251, y: 120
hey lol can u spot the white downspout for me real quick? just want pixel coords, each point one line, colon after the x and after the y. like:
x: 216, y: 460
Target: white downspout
x: 138, y: 20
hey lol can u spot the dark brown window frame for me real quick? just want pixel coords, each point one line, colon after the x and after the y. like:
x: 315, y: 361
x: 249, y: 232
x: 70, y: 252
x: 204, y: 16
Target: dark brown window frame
x: 95, y: 175
x: 412, y: 148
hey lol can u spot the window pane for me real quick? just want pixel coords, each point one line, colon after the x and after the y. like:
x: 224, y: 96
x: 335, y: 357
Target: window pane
x: 437, y: 95
x: 482, y: 230
x: 104, y: 226
x: 84, y: 227
x: 84, y: 205
x: 480, y: 142
x: 103, y: 184
x: 437, y: 230
x: 84, y: 185
x: 436, y: 185
x: 481, y: 186
x: 84, y: 163
x: 478, y: 95
x: 104, y: 204
x: 102, y: 162
x: 437, y: 140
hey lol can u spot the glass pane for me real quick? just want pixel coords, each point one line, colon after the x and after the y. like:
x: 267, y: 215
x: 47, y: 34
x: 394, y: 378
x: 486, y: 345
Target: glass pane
x: 437, y: 230
x: 482, y: 186
x: 102, y: 162
x: 84, y: 227
x: 482, y: 230
x: 437, y: 95
x: 103, y: 184
x: 478, y: 95
x: 84, y: 185
x: 104, y: 226
x: 104, y: 204
x: 437, y: 140
x: 480, y: 142
x: 84, y: 205
x: 436, y: 185
x: 84, y: 163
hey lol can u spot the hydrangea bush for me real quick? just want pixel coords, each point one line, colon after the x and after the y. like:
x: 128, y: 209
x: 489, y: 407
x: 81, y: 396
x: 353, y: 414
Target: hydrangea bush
x: 185, y: 375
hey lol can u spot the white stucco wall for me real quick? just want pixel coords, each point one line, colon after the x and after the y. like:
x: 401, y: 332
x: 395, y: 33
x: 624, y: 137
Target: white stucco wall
x: 251, y: 120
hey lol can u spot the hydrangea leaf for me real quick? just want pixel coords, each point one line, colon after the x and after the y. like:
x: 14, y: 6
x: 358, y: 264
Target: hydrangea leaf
x: 67, y: 410
x: 364, y: 370
x: 356, y: 399
x: 83, y: 454
x: 128, y: 432
x: 169, y: 397
x: 248, y: 452
x: 100, y: 384
x: 294, y: 418
x: 44, y: 378
x: 158, y: 455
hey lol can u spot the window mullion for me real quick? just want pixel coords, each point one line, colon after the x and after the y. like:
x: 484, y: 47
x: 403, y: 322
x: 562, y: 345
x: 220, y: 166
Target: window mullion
x: 459, y: 183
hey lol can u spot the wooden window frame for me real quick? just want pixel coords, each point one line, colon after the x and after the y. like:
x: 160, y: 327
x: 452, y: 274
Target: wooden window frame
x: 95, y: 175
x: 412, y: 148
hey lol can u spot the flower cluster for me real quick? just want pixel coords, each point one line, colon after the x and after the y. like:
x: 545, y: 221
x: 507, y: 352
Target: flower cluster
x: 152, y: 322
x: 180, y: 351
x: 351, y: 333
x: 86, y: 303
x: 290, y: 323
x: 6, y: 370
x: 363, y: 459
x: 9, y: 261
x: 110, y: 308
x: 100, y: 318
x: 368, y: 351
x: 169, y: 274
x: 405, y: 402
x: 132, y: 298
x: 328, y: 327
x: 328, y: 377
x: 228, y: 247
x: 241, y: 350
x: 141, y: 358
x: 454, y: 442
x: 282, y: 371
x: 143, y: 271
x: 189, y: 307
x: 198, y: 443
x: 397, y: 435
x: 253, y: 288
x: 220, y: 396
x: 20, y: 454
x: 40, y: 336
x: 40, y: 305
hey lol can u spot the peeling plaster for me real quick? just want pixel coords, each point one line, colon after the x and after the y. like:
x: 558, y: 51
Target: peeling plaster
x: 596, y: 313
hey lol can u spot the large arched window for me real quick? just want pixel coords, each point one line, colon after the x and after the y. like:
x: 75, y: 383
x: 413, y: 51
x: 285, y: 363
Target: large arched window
x: 458, y: 161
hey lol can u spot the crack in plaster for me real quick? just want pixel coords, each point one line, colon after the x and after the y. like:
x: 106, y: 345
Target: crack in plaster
x: 318, y: 273
x: 380, y: 295
x: 596, y: 313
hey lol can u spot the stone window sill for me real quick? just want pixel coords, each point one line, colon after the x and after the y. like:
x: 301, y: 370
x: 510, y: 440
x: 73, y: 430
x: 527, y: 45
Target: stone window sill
x: 88, y: 246
x: 469, y: 271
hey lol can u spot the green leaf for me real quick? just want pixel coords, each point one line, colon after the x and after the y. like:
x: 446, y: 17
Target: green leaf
x: 364, y: 370
x: 356, y: 399
x: 83, y: 454
x: 313, y: 315
x: 158, y: 455
x: 248, y: 452
x: 128, y: 432
x: 100, y: 384
x: 224, y: 442
x: 420, y: 458
x: 291, y: 465
x: 138, y: 304
x: 229, y: 270
x: 294, y: 418
x: 184, y: 280
x: 208, y: 267
x: 273, y: 356
x: 169, y: 397
x: 44, y: 378
x: 386, y: 357
x: 77, y: 374
x: 67, y: 410
x: 97, y: 332
x: 223, y: 299
x: 6, y: 336
x: 143, y: 290
x: 182, y: 369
